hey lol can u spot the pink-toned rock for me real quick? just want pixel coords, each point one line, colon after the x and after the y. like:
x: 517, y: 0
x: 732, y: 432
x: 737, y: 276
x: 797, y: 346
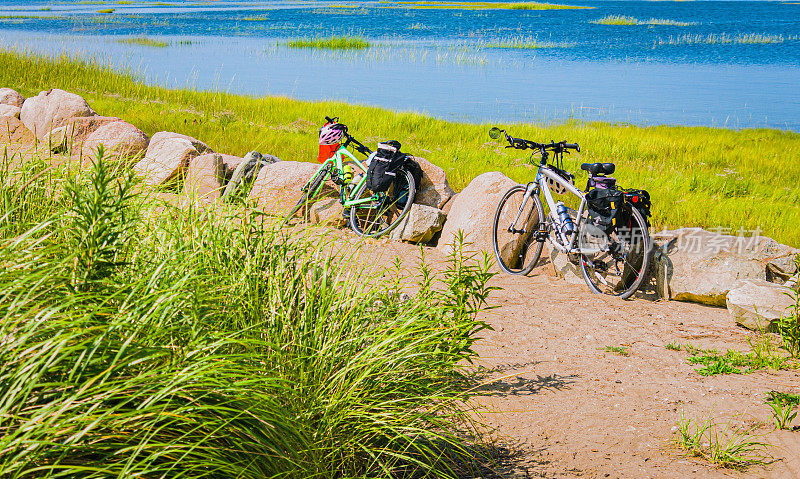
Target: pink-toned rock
x: 229, y: 163
x: 10, y: 97
x: 328, y: 211
x: 278, y: 186
x: 118, y: 138
x: 52, y: 109
x: 167, y: 154
x: 81, y: 127
x: 434, y: 190
x: 9, y: 125
x: 473, y: 213
x: 203, y: 180
x: 9, y: 111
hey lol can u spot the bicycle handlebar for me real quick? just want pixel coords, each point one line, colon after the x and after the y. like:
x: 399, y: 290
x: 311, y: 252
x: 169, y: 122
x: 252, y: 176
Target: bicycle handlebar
x: 523, y: 144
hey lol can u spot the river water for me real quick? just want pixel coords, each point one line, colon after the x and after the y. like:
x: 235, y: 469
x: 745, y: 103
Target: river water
x: 732, y: 64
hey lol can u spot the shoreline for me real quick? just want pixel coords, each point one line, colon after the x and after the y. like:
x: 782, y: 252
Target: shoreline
x: 713, y: 178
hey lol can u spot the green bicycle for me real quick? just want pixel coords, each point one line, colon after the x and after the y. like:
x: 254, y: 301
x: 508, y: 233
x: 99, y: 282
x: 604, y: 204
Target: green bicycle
x: 370, y: 213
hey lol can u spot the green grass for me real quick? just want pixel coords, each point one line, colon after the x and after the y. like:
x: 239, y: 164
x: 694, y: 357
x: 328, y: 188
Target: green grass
x: 725, y: 39
x: 488, y: 6
x: 106, y: 10
x: 737, y: 362
x: 626, y: 20
x: 707, y: 177
x: 526, y: 44
x: 618, y: 350
x: 724, y: 445
x: 616, y: 20
x: 673, y: 346
x: 329, y: 43
x: 143, y: 41
x: 778, y: 397
x: 142, y: 340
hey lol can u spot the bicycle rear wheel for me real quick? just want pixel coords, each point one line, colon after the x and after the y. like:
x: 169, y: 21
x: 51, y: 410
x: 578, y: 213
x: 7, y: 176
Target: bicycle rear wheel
x: 517, y: 247
x: 620, y: 270
x: 309, y: 192
x: 386, y: 210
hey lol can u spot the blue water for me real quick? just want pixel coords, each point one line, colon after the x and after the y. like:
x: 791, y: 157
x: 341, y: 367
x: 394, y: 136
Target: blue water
x: 706, y: 72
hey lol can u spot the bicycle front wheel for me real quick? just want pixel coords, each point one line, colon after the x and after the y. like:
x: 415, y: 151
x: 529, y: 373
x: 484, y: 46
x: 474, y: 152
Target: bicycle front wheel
x: 517, y: 247
x: 309, y: 192
x: 385, y: 210
x: 622, y: 269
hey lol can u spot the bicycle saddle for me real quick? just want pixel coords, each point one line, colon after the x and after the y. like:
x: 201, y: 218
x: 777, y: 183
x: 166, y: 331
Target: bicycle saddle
x: 598, y: 168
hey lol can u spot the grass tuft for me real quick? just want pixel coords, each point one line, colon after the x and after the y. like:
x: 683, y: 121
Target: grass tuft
x: 145, y: 340
x: 330, y: 43
x: 618, y: 350
x: 143, y: 41
x: 723, y: 445
x: 616, y: 20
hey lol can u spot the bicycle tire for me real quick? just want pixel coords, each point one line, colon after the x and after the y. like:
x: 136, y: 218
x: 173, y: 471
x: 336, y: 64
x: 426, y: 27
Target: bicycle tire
x: 312, y: 187
x: 639, y: 250
x: 520, y: 263
x: 243, y: 170
x: 362, y: 215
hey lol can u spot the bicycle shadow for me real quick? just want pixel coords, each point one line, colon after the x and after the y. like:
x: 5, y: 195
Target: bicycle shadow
x: 518, y: 385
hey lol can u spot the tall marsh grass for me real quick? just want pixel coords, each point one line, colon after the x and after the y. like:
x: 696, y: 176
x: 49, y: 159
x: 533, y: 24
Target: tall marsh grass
x: 489, y: 6
x: 724, y: 38
x: 330, y: 43
x: 626, y: 20
x: 141, y: 340
x: 708, y: 177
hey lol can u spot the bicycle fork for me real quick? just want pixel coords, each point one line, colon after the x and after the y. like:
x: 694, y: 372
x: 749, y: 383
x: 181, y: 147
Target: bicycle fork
x: 529, y: 190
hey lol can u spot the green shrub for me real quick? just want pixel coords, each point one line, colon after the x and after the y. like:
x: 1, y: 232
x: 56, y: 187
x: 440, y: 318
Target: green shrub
x: 213, y: 344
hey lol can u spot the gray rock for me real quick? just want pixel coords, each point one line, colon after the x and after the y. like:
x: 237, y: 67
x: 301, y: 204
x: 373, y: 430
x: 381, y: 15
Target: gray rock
x: 11, y: 97
x: 757, y: 304
x: 420, y: 225
x: 704, y: 266
x: 434, y: 189
x: 52, y: 109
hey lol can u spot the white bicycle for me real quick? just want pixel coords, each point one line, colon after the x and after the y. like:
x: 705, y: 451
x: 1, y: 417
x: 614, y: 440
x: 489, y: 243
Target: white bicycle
x: 607, y: 235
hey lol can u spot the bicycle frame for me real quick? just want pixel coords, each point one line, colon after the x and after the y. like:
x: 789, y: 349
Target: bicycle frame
x: 335, y: 164
x: 562, y: 242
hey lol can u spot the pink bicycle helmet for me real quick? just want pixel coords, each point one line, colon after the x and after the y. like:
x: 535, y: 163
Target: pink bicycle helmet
x: 331, y: 134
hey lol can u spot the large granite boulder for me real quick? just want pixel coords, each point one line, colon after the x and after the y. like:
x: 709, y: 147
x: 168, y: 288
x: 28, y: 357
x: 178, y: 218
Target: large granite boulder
x: 420, y: 224
x: 11, y: 97
x: 167, y: 155
x: 52, y: 109
x: 434, y: 189
x: 328, y: 211
x: 279, y: 185
x: 118, y: 138
x: 758, y: 304
x: 473, y: 211
x: 703, y: 266
x: 9, y: 111
x: 204, y: 178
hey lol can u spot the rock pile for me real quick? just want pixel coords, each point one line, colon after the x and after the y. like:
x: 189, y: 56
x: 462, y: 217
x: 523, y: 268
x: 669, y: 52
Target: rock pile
x: 750, y: 276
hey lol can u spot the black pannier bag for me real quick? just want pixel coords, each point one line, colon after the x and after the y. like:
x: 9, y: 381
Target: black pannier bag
x: 401, y: 182
x: 382, y: 171
x: 605, y: 208
x: 639, y: 199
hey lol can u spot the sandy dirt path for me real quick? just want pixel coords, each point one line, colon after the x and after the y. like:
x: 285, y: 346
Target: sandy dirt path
x: 573, y: 410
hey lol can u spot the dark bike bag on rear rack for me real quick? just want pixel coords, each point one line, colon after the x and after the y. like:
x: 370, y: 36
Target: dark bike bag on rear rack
x: 383, y: 168
x: 605, y: 208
